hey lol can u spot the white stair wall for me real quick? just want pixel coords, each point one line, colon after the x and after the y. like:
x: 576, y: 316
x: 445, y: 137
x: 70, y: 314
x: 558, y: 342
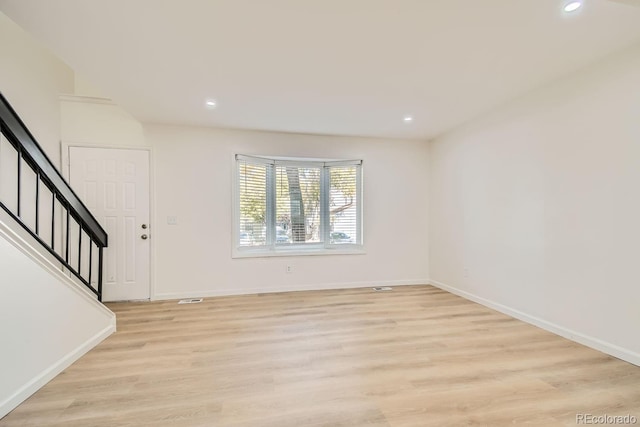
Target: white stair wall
x: 47, y: 321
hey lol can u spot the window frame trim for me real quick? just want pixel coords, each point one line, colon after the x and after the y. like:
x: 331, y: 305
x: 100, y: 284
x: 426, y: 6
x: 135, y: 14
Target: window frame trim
x: 271, y: 249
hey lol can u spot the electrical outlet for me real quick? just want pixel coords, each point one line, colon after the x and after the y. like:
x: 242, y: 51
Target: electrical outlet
x: 466, y: 272
x: 289, y: 269
x: 172, y: 220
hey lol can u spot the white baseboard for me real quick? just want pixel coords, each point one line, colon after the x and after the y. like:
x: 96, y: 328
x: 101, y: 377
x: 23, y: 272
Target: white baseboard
x: 48, y: 374
x: 595, y: 343
x: 264, y: 290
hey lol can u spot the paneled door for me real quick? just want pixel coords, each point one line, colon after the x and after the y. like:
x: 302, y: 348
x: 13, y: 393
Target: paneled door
x: 114, y: 184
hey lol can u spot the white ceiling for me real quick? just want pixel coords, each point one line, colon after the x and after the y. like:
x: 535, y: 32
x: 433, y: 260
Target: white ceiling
x: 346, y: 67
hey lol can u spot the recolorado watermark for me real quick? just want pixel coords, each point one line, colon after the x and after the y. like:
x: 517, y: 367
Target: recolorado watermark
x: 605, y: 419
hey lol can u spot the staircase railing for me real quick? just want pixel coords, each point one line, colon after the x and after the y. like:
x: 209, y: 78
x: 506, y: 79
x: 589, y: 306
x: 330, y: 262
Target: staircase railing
x: 36, y: 196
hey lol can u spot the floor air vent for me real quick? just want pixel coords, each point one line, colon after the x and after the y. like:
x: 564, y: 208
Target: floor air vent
x: 190, y: 301
x: 383, y: 288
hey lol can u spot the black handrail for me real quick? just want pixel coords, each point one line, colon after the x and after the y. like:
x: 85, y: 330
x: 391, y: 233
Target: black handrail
x: 31, y: 154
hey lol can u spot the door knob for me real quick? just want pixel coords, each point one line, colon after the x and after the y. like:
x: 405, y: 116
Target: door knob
x: 144, y: 237
x: 144, y: 226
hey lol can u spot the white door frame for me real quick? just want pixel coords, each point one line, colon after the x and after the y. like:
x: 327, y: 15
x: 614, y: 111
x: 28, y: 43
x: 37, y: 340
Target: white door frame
x: 65, y: 167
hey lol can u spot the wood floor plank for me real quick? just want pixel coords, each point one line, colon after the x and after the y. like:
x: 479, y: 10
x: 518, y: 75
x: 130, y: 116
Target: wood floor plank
x: 415, y: 356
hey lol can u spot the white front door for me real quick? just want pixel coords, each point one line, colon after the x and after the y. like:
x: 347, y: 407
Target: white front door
x: 114, y: 184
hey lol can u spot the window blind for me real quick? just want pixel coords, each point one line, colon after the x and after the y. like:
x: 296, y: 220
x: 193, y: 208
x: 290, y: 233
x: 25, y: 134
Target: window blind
x: 252, y: 187
x: 285, y: 203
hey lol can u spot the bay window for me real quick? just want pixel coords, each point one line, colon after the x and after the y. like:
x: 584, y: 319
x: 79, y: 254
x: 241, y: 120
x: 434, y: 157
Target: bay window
x: 284, y: 205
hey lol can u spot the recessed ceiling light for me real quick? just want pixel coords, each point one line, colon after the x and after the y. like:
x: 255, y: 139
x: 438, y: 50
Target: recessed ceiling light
x: 210, y: 103
x: 408, y: 119
x: 572, y: 6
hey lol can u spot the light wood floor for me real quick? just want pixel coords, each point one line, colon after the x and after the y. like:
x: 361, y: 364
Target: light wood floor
x: 416, y: 356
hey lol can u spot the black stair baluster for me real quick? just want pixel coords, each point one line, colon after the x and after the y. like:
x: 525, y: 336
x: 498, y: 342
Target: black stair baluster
x: 80, y: 250
x: 18, y: 205
x: 38, y: 203
x: 66, y: 255
x: 90, y: 258
x: 28, y: 151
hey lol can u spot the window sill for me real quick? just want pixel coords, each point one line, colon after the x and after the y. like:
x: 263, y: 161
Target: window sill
x: 284, y: 252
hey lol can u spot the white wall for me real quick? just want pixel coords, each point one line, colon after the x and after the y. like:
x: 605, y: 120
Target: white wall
x: 83, y: 87
x: 89, y: 121
x: 46, y: 321
x: 193, y: 181
x: 32, y: 79
x: 539, y: 202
